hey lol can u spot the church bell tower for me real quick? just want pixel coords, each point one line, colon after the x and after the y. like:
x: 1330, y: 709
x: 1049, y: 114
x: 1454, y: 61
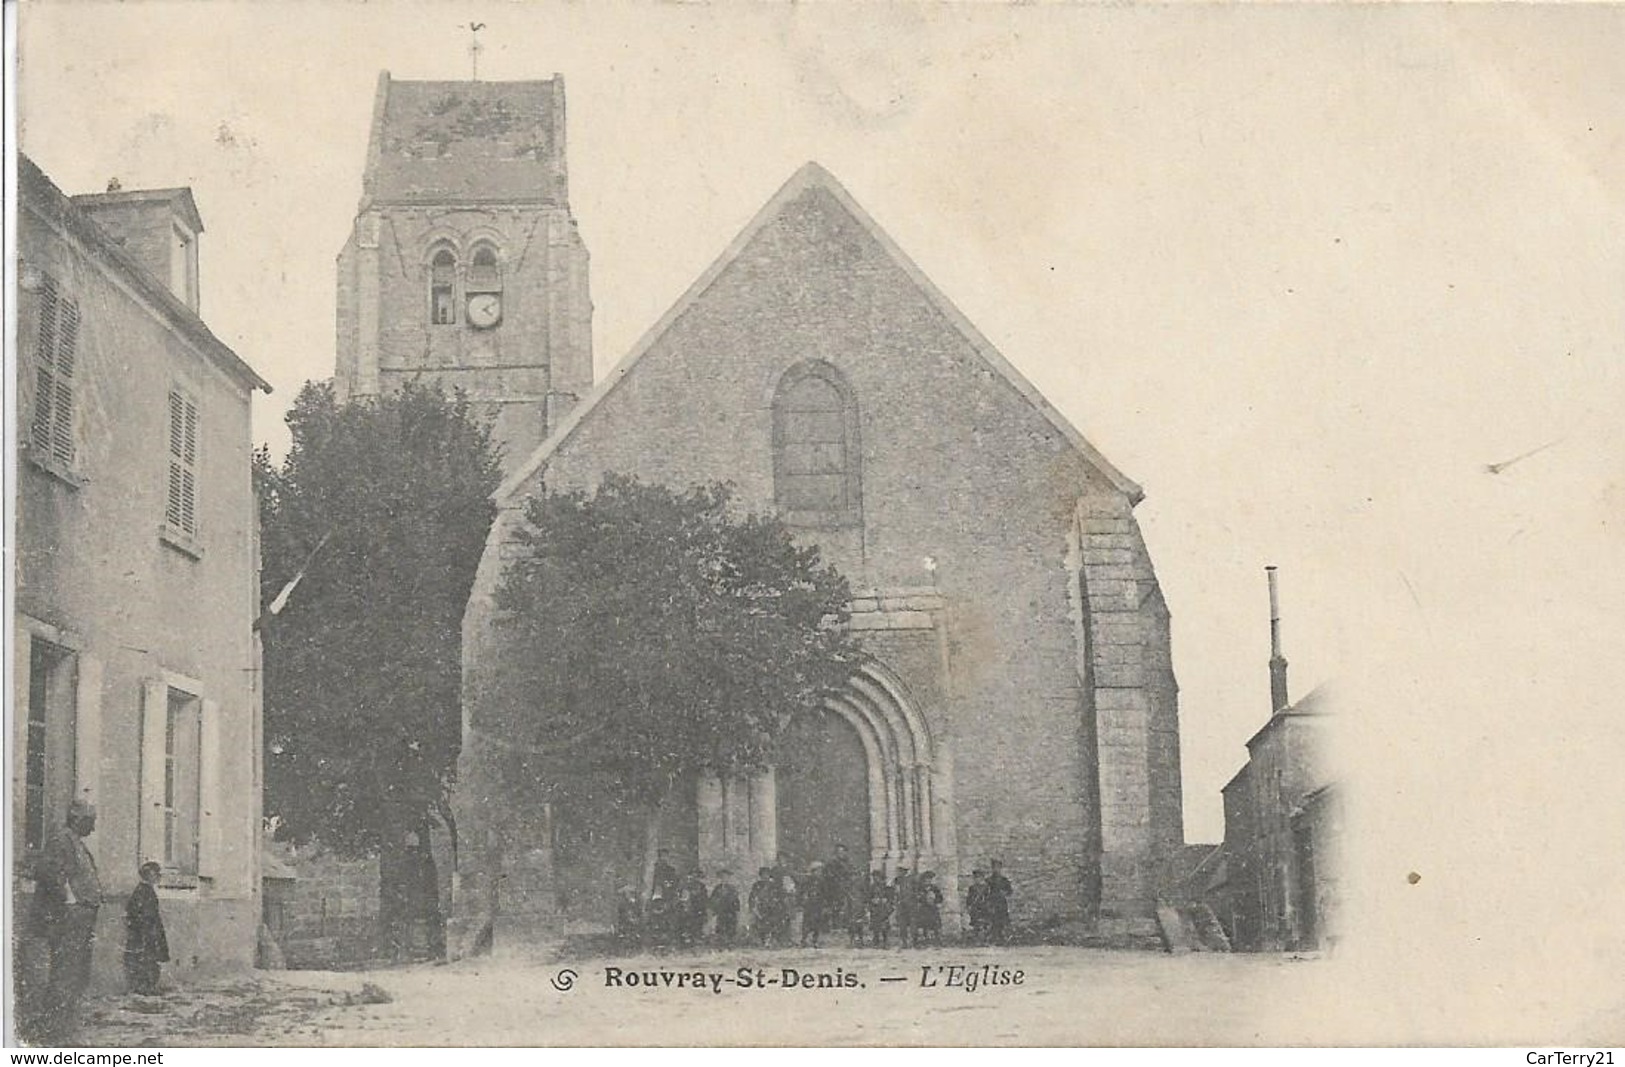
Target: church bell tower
x: 465, y: 266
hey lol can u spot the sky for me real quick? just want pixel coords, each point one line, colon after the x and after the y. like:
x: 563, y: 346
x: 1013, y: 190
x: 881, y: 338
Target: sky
x: 1307, y: 274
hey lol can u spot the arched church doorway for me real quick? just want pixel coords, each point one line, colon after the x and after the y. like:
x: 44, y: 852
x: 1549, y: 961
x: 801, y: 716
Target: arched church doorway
x: 823, y: 792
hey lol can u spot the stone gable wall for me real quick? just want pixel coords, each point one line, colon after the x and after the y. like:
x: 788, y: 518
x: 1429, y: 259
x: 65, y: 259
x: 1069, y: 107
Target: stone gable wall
x: 960, y: 470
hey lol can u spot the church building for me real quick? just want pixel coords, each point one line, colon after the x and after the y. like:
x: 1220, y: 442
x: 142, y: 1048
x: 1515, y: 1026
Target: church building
x: 1019, y: 702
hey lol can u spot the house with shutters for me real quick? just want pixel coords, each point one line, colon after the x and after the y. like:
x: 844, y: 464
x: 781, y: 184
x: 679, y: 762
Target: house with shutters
x: 136, y: 670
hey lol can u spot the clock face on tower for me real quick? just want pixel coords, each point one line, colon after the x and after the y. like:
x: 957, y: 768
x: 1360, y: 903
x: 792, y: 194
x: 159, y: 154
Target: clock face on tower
x: 484, y: 310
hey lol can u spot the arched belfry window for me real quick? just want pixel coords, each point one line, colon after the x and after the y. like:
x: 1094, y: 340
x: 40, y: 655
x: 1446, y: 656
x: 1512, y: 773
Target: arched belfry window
x: 443, y: 288
x: 484, y: 271
x: 817, y: 477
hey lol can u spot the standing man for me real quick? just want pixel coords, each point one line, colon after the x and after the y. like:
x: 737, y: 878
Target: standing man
x: 857, y: 906
x: 928, y: 910
x: 881, y: 899
x: 998, y: 904
x: 695, y: 898
x: 763, y: 916
x: 725, y: 906
x: 814, y: 895
x: 663, y: 915
x: 837, y: 891
x: 903, y: 896
x: 976, y: 906
x: 67, y: 894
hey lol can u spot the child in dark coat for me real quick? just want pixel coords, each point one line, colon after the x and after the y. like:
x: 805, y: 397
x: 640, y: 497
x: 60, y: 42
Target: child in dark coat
x: 145, y: 946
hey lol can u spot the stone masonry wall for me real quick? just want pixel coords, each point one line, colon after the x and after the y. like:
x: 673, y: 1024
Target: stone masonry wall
x: 964, y: 484
x: 542, y: 345
x: 328, y: 914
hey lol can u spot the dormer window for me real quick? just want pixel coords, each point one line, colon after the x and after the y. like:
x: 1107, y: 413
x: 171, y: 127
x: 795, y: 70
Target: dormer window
x: 183, y: 265
x: 443, y: 288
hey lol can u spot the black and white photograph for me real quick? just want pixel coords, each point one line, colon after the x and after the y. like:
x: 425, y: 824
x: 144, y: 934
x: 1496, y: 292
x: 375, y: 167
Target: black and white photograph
x: 814, y: 524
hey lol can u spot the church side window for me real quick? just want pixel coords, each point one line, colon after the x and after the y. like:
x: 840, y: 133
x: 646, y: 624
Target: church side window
x: 443, y: 288
x: 815, y: 468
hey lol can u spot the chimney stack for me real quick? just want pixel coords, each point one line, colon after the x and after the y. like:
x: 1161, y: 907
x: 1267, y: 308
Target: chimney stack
x: 1278, y: 693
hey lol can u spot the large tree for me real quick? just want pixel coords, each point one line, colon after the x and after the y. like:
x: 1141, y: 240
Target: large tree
x: 665, y: 635
x: 376, y: 521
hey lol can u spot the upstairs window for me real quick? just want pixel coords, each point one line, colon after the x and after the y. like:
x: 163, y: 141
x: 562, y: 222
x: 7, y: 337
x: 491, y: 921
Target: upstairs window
x: 183, y: 266
x: 443, y: 288
x: 816, y: 473
x: 180, y: 510
x: 484, y: 272
x: 53, y: 431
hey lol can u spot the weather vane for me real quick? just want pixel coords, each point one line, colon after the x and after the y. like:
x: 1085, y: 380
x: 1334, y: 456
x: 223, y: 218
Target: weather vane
x: 474, y: 47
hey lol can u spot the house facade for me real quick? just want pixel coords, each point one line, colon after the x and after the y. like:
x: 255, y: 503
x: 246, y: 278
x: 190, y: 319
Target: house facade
x: 135, y: 677
x: 1278, y: 889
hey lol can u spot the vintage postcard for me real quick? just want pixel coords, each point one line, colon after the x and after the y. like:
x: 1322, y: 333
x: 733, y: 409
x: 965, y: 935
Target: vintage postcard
x: 815, y: 524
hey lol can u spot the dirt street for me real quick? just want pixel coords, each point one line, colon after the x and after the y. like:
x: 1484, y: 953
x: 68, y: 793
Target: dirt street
x: 1021, y: 996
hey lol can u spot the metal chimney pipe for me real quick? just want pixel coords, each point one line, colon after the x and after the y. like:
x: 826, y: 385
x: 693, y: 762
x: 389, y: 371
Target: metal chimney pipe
x: 1278, y: 690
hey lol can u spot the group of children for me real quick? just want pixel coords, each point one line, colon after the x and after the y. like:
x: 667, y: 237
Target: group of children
x: 829, y: 897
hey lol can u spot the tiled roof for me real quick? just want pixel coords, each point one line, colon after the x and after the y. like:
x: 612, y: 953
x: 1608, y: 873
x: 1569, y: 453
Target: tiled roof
x: 492, y: 142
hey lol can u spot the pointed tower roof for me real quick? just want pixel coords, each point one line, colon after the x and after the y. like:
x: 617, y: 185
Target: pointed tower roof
x: 812, y: 176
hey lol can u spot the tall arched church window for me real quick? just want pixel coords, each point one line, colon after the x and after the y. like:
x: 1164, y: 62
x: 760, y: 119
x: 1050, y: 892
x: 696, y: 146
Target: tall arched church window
x: 816, y: 462
x: 443, y: 288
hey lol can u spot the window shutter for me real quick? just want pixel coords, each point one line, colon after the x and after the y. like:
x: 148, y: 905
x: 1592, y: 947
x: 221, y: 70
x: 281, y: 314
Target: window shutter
x: 209, y: 799
x: 154, y: 722
x: 45, y: 367
x: 180, y: 508
x: 67, y: 337
x: 52, y: 431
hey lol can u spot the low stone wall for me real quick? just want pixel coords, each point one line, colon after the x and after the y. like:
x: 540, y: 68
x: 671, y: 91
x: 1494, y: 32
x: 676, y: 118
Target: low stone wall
x: 326, y: 915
